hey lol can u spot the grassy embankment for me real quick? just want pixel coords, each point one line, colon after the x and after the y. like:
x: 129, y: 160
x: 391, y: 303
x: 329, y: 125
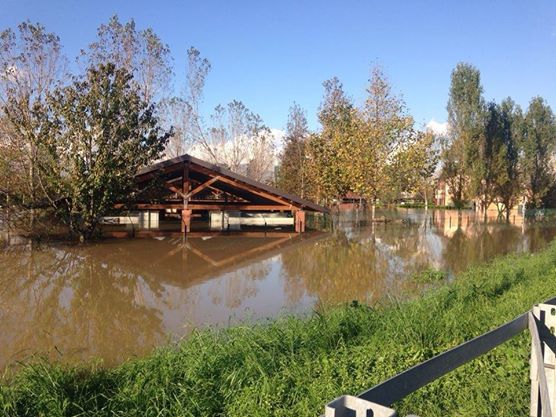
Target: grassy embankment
x: 292, y: 367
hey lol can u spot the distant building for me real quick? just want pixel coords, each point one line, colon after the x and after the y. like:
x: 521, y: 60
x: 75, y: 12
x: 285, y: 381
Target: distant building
x: 442, y: 194
x: 443, y: 197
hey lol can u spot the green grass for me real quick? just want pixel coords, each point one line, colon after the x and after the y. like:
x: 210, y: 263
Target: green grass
x: 293, y: 366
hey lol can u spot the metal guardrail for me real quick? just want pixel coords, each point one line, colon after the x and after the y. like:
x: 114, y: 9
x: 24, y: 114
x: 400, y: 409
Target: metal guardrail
x: 541, y: 322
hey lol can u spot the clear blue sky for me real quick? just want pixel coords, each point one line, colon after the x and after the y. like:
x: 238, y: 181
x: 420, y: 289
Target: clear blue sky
x: 270, y: 53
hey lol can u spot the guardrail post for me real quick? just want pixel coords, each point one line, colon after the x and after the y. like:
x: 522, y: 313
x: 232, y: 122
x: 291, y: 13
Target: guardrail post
x: 541, y: 322
x: 345, y: 406
x: 546, y: 314
x: 534, y: 376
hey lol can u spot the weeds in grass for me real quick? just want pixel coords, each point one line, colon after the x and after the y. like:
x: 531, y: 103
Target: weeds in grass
x: 430, y: 275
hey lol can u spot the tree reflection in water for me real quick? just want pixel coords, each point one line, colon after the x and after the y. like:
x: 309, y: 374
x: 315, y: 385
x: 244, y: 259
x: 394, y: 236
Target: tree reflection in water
x: 119, y: 298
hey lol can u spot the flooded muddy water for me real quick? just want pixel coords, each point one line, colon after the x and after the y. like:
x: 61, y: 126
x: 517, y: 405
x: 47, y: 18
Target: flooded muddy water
x: 116, y: 299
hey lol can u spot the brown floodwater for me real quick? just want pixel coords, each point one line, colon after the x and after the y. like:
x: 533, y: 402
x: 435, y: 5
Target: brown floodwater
x: 116, y: 299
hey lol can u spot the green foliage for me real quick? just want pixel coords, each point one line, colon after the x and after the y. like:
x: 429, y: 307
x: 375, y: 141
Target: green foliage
x: 372, y: 151
x: 377, y: 152
x: 465, y: 120
x: 326, y: 151
x: 105, y: 133
x: 292, y: 172
x: 538, y: 144
x: 465, y: 102
x: 494, y: 153
x: 508, y: 184
x: 72, y: 152
x: 293, y: 366
x: 415, y: 165
x: 430, y: 275
x: 486, y: 161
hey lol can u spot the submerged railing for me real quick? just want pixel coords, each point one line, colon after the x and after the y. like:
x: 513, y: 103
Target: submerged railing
x: 541, y: 322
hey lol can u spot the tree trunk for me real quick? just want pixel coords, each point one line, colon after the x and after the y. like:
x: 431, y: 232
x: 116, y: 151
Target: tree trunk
x: 33, y: 197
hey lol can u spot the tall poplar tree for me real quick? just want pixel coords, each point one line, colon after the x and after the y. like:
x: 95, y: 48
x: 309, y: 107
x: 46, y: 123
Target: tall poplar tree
x: 538, y: 145
x: 292, y: 172
x: 486, y: 159
x: 465, y: 125
x: 508, y: 184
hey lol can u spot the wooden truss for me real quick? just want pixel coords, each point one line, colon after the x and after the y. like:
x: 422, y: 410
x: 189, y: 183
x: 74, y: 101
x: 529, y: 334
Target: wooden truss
x: 192, y: 184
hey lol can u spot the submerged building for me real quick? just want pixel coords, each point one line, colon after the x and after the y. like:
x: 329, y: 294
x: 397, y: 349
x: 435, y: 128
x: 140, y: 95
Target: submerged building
x: 204, y: 196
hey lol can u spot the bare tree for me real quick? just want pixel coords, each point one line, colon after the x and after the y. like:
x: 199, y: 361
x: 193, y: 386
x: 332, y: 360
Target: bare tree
x: 141, y: 52
x: 234, y: 136
x: 31, y: 66
x: 183, y: 112
x: 174, y: 114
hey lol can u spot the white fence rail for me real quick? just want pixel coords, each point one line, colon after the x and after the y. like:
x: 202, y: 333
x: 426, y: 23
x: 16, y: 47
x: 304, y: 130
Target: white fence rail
x: 541, y: 322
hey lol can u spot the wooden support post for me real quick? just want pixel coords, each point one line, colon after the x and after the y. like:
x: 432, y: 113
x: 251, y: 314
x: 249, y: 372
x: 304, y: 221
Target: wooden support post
x: 186, y: 212
x: 186, y: 220
x: 299, y: 221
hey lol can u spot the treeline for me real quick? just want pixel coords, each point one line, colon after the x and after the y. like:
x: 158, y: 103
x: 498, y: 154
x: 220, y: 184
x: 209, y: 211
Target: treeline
x: 73, y: 134
x: 496, y: 152
x: 492, y: 153
x: 373, y: 151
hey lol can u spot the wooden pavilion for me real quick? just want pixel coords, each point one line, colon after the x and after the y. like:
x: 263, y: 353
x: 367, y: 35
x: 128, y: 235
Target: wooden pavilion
x: 191, y: 186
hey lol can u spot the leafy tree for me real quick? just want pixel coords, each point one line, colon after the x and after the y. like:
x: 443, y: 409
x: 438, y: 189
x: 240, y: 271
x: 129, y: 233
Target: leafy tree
x: 363, y: 150
x: 335, y: 109
x: 414, y: 166
x: 292, y: 171
x: 327, y: 151
x: 453, y: 172
x: 538, y: 144
x: 486, y: 165
x: 105, y: 132
x: 140, y: 52
x: 508, y: 187
x: 384, y: 132
x: 465, y: 125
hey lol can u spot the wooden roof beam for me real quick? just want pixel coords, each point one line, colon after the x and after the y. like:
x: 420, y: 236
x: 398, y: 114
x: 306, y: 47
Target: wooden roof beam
x: 208, y: 206
x: 202, y: 186
x: 174, y: 189
x: 245, y: 187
